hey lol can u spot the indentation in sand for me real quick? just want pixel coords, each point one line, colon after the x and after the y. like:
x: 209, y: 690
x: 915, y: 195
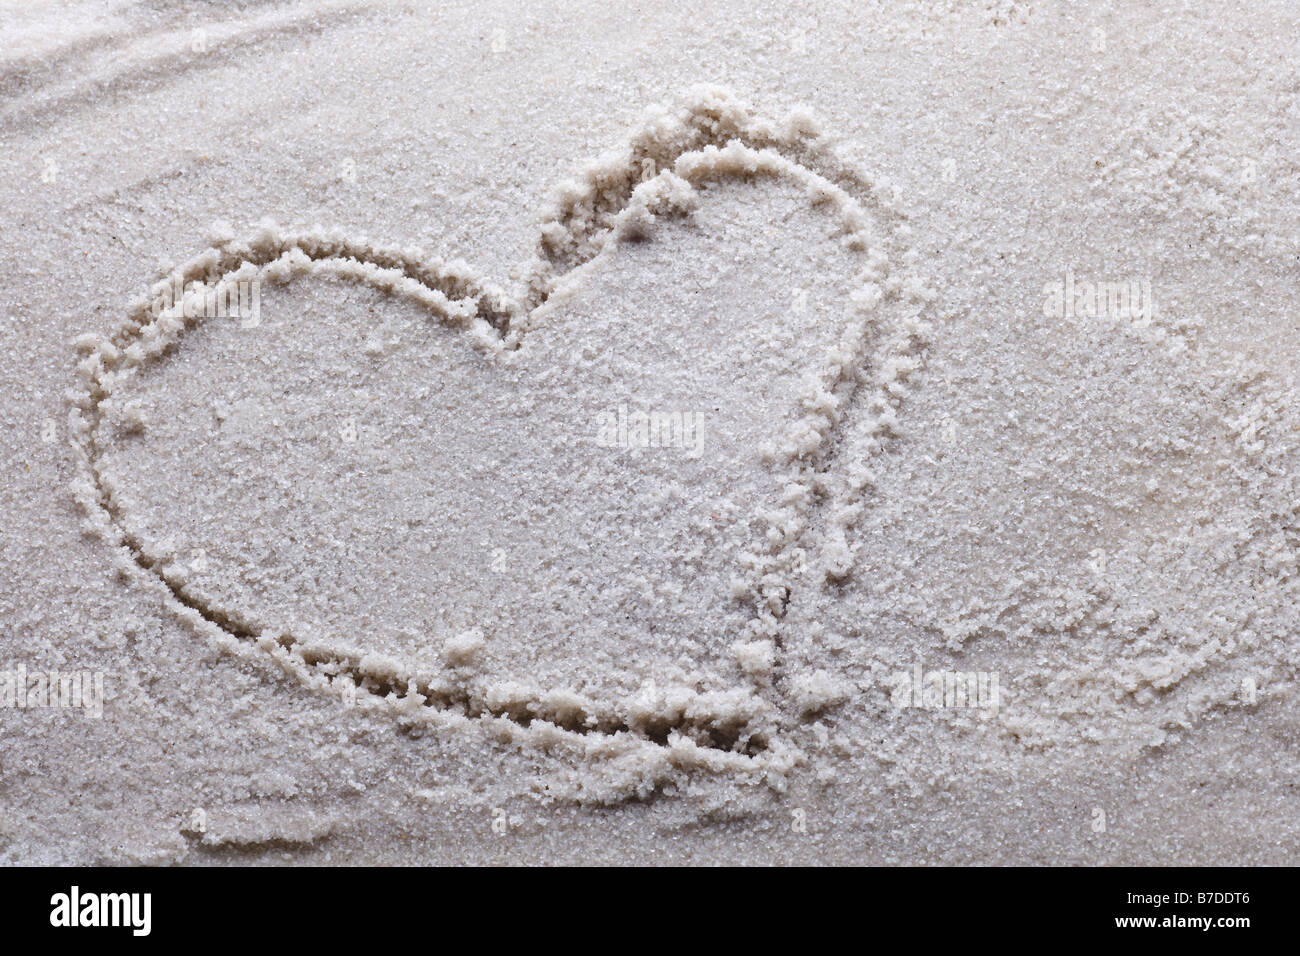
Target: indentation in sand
x: 390, y: 484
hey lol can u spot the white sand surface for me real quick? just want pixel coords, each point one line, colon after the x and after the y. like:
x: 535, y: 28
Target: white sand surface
x: 626, y: 405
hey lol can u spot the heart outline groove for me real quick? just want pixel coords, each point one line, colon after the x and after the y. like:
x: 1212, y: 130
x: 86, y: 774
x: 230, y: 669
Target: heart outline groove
x: 708, y: 136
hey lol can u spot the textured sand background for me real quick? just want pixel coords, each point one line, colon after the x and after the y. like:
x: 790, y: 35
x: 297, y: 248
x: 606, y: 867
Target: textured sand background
x: 363, y: 582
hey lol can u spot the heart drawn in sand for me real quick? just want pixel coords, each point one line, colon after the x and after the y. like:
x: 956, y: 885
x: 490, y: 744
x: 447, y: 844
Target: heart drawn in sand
x: 577, y: 505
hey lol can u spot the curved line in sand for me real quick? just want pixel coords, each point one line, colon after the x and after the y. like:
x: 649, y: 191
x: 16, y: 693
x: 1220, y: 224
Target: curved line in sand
x: 714, y: 138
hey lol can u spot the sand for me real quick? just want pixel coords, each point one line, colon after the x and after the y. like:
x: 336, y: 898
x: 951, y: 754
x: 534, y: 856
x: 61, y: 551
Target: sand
x: 729, y: 434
